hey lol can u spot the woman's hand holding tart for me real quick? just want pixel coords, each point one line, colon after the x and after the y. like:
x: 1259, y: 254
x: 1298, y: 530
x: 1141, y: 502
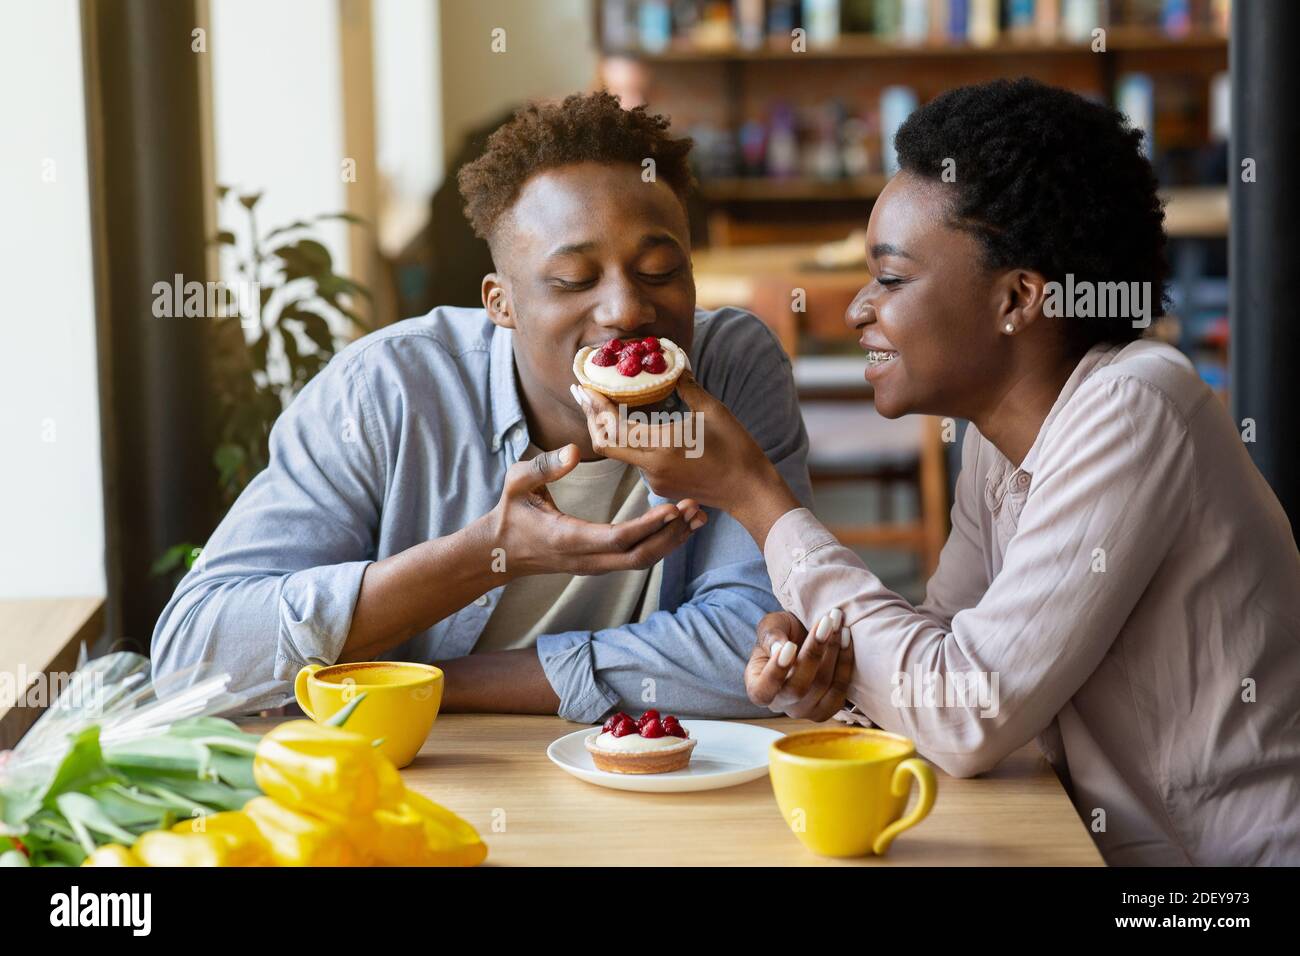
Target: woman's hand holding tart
x: 729, y: 471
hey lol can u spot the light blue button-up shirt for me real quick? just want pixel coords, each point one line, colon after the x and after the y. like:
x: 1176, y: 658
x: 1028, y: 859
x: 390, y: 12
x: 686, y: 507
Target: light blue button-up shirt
x: 405, y: 436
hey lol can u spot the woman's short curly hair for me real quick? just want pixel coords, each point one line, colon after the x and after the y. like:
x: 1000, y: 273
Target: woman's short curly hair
x: 1049, y: 181
x: 585, y: 127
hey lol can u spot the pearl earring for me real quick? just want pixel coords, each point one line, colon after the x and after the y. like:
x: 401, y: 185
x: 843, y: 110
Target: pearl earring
x: 1010, y: 328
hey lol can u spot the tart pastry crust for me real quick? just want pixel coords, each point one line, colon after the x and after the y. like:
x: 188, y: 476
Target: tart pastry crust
x: 662, y: 760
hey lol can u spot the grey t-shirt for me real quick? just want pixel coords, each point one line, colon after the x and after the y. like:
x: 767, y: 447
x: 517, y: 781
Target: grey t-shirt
x: 604, y: 491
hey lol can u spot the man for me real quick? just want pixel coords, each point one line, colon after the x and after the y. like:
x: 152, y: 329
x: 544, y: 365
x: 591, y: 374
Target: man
x: 410, y: 511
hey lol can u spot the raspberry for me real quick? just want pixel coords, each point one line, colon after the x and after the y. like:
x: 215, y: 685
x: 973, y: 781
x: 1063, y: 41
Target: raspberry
x: 629, y: 364
x: 654, y: 363
x: 651, y: 344
x: 648, y: 715
x: 652, y: 728
x: 624, y: 727
x: 604, y: 359
x: 613, y: 720
x: 634, y: 347
x: 672, y: 727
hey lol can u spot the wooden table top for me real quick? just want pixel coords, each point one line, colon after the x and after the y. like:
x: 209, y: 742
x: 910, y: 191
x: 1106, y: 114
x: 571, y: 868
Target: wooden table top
x: 39, y: 636
x: 492, y: 769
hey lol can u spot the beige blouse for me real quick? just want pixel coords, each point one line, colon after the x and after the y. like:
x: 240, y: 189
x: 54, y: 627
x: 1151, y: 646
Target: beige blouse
x: 1129, y: 596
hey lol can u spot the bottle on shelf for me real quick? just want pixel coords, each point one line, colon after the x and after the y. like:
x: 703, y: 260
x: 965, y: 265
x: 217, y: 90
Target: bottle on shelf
x: 896, y: 105
x: 821, y: 19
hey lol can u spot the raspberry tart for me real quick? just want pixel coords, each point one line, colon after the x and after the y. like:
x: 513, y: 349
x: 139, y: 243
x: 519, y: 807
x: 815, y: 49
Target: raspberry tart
x: 652, y: 744
x: 631, y: 371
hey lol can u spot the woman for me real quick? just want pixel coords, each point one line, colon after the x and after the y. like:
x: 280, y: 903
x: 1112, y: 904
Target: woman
x: 1119, y: 583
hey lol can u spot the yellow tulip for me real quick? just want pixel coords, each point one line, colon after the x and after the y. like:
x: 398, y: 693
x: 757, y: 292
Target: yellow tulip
x: 112, y: 854
x: 325, y: 771
x: 298, y: 838
x: 419, y: 832
x: 165, y: 848
x: 235, y: 830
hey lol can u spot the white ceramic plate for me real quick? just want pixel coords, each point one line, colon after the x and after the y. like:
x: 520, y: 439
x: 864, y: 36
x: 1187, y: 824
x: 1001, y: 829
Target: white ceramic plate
x: 727, y: 754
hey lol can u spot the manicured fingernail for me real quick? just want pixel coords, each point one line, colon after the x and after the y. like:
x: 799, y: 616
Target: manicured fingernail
x: 844, y: 637
x: 669, y: 519
x: 697, y: 522
x: 837, y: 619
x: 823, y: 629
x: 786, y: 656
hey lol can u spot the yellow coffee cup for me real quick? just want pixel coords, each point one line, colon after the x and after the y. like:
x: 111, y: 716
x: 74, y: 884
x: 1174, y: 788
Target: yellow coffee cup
x: 843, y: 790
x: 400, y: 706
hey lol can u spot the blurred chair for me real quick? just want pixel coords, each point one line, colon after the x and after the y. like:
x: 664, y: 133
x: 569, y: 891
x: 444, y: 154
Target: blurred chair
x: 849, y: 441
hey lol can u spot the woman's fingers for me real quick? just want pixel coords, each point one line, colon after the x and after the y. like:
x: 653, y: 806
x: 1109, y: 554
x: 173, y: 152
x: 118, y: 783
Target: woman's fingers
x: 693, y: 513
x: 835, y: 696
x: 696, y: 397
x: 809, y: 659
x: 808, y: 702
x: 602, y: 417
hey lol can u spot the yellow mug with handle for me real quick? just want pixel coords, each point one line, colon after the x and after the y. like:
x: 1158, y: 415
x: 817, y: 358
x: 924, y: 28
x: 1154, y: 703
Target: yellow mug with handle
x: 843, y: 790
x: 399, y: 709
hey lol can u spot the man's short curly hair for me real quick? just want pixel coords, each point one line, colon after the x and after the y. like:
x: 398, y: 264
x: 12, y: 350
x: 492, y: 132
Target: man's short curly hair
x: 1049, y: 181
x: 585, y: 127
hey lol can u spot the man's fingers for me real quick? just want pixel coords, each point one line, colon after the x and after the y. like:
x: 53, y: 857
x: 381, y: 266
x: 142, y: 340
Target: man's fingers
x: 553, y: 465
x: 764, y: 677
x: 780, y: 626
x: 525, y: 476
x: 658, y: 545
x: 574, y: 536
x: 646, y: 553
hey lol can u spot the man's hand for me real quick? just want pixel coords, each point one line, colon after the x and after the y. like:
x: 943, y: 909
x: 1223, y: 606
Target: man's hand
x: 798, y: 674
x: 538, y: 538
x: 730, y: 471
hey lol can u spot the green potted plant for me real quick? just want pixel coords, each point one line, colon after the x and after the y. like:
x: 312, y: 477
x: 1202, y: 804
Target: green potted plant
x: 265, y: 351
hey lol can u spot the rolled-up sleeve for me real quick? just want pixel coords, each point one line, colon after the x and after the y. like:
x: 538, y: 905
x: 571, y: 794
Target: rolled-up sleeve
x: 1107, y: 497
x: 276, y: 585
x: 689, y: 657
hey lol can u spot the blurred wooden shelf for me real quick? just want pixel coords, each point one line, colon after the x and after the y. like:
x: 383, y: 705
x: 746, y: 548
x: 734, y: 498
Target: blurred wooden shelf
x: 776, y: 189
x: 863, y: 46
x: 1196, y: 212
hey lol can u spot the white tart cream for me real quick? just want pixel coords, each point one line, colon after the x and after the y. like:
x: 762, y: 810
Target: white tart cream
x: 610, y: 377
x: 635, y: 743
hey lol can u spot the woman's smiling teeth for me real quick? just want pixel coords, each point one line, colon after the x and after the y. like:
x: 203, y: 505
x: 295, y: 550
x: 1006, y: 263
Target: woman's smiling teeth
x: 880, y: 356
